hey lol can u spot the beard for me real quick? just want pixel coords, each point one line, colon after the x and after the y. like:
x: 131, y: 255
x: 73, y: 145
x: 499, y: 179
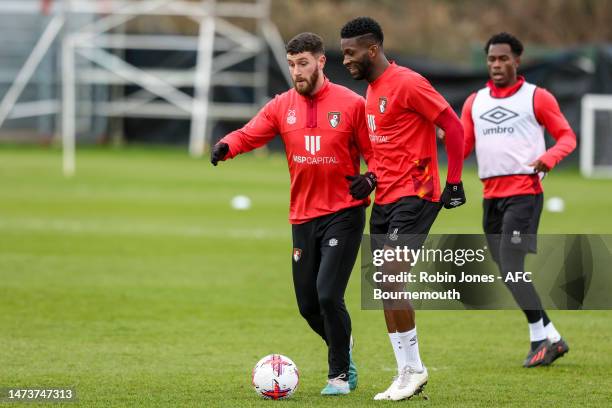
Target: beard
x: 363, y: 68
x: 306, y: 86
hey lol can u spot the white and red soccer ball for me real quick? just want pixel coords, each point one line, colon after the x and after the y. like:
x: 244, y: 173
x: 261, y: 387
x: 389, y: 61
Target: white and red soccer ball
x: 275, y: 377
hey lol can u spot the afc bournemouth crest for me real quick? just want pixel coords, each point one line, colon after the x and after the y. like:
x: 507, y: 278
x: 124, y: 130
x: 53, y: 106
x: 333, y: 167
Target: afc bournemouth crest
x: 297, y: 254
x: 334, y: 118
x: 382, y: 104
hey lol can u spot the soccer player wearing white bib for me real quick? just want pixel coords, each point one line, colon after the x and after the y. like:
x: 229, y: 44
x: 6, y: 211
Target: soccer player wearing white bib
x: 505, y: 122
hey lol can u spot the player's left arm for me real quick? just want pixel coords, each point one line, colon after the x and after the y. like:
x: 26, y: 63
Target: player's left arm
x: 449, y: 122
x: 453, y: 195
x: 549, y: 115
x: 362, y: 185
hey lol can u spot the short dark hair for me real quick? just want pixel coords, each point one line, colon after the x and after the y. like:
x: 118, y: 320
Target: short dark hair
x: 505, y: 38
x: 363, y: 26
x: 305, y: 42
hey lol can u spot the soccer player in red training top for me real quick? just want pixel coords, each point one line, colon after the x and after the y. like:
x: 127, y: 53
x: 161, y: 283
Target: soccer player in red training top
x: 324, y: 131
x: 506, y: 122
x: 402, y: 111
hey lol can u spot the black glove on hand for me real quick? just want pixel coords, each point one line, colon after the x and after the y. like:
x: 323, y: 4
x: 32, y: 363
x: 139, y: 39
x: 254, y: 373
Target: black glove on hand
x: 362, y: 185
x: 218, y: 153
x: 453, y: 195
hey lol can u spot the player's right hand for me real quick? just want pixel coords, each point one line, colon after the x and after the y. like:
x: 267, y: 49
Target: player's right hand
x: 453, y: 195
x: 218, y: 152
x: 362, y: 185
x: 540, y: 167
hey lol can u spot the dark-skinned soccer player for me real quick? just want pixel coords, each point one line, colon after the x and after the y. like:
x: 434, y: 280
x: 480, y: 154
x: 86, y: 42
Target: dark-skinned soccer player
x: 403, y: 110
x: 505, y: 122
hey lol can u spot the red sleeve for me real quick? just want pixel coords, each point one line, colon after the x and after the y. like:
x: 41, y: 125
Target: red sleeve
x: 450, y: 123
x: 423, y: 98
x: 547, y: 112
x: 362, y: 137
x: 256, y: 133
x: 468, y: 126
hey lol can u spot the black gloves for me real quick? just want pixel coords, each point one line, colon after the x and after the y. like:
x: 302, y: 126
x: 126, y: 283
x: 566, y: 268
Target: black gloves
x: 453, y: 195
x: 218, y: 152
x: 362, y: 185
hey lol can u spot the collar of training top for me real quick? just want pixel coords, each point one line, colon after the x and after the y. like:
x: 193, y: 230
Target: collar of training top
x: 392, y: 67
x: 507, y: 91
x: 321, y: 93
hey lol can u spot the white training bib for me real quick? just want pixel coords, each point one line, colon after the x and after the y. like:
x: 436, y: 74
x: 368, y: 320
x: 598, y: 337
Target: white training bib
x: 508, y: 135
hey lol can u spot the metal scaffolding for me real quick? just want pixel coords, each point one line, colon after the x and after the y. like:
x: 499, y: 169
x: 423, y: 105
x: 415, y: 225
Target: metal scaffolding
x: 10, y: 107
x: 220, y: 45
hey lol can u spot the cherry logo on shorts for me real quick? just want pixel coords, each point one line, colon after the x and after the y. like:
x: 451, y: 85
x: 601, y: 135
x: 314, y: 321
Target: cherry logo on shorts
x: 297, y: 254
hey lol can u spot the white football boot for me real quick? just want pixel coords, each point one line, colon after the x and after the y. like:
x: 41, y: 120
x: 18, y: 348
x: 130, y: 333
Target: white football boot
x: 386, y: 394
x: 410, y: 382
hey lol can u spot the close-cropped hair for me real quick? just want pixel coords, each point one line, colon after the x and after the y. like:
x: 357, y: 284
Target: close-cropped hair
x: 363, y: 26
x: 305, y: 42
x: 505, y: 38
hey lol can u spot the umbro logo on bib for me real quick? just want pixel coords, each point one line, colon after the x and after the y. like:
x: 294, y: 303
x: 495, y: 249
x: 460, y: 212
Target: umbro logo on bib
x: 498, y: 115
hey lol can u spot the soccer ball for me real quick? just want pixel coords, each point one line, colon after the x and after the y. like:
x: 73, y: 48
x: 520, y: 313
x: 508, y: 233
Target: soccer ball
x: 275, y: 377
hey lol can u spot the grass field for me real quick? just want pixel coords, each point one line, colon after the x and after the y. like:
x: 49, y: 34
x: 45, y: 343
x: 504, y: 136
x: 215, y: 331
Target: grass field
x: 136, y: 284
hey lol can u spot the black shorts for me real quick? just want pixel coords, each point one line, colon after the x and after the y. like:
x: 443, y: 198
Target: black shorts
x: 405, y: 222
x: 513, y: 221
x: 331, y: 241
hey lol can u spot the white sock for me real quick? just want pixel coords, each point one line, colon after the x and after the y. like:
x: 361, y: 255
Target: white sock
x: 536, y: 331
x: 410, y: 343
x: 552, y: 333
x: 400, y: 356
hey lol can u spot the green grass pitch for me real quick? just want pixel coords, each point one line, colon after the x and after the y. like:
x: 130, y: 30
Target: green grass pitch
x: 136, y: 284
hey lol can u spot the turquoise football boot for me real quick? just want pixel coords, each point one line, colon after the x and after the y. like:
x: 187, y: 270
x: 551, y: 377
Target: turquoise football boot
x: 336, y: 386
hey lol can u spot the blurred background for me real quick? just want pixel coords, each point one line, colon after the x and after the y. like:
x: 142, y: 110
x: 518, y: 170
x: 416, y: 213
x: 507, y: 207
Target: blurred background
x: 180, y: 72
